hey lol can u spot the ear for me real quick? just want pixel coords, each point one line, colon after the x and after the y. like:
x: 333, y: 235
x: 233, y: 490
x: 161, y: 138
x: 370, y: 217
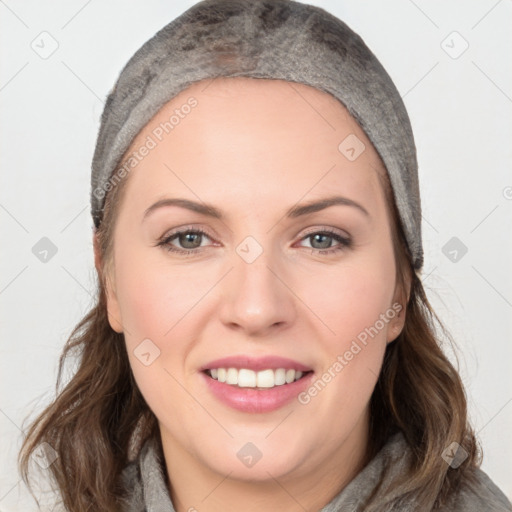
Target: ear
x: 106, y: 271
x: 399, y: 305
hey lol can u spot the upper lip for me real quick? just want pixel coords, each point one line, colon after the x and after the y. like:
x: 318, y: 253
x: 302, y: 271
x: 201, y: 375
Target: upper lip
x: 256, y: 363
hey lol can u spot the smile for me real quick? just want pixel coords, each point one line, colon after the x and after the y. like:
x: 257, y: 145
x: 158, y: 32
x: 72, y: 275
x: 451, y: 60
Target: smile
x: 264, y: 379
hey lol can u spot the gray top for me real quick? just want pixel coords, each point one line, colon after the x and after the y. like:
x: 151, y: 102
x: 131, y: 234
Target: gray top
x: 278, y: 39
x: 144, y: 480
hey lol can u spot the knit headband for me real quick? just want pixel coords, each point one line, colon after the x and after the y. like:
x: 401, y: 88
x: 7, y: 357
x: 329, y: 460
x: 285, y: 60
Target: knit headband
x: 274, y: 39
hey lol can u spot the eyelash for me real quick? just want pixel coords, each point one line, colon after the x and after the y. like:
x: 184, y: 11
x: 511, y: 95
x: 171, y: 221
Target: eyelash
x: 345, y: 242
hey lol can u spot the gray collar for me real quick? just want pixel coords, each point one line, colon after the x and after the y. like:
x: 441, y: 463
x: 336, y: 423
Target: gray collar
x: 145, y: 483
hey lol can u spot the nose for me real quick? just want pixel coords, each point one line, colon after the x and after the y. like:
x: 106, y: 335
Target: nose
x: 256, y: 299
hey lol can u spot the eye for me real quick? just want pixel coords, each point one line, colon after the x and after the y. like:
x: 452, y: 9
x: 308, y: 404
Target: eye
x: 321, y: 241
x: 190, y: 241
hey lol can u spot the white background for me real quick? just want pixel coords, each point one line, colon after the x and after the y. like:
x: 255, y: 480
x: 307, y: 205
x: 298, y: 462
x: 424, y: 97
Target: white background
x: 460, y: 109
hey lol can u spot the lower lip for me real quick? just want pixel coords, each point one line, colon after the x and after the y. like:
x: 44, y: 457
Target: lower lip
x: 257, y: 400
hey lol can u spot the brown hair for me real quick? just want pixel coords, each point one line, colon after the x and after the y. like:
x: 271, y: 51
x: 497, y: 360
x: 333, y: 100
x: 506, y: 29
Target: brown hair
x: 99, y: 417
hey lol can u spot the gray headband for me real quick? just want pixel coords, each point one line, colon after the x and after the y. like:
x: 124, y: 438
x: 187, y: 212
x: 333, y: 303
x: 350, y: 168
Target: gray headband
x: 275, y: 39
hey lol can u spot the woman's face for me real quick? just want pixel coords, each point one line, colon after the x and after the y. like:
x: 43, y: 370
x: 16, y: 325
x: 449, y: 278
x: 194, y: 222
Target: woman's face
x: 276, y: 275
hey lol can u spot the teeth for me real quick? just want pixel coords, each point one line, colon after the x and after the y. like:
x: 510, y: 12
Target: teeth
x: 245, y: 378
x: 265, y: 379
x: 280, y: 376
x: 232, y: 376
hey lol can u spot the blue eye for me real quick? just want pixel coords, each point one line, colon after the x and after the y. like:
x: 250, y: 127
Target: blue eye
x: 191, y: 240
x: 324, y: 239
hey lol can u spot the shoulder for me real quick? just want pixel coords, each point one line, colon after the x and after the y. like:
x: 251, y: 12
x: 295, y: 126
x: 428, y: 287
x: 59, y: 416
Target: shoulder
x: 477, y: 494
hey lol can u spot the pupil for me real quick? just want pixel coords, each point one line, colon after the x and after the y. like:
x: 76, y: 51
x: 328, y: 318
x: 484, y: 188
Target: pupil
x: 324, y: 244
x: 189, y: 238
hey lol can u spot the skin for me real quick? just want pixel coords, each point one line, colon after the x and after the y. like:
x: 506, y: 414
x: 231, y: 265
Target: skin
x: 254, y: 148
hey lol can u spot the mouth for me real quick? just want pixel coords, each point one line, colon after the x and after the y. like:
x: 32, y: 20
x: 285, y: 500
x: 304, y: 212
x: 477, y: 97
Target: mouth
x: 256, y: 384
x: 261, y: 380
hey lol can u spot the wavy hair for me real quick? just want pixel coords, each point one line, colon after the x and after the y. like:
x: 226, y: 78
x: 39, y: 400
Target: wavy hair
x: 99, y: 420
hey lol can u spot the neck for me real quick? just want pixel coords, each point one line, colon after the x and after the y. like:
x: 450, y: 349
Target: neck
x: 195, y: 487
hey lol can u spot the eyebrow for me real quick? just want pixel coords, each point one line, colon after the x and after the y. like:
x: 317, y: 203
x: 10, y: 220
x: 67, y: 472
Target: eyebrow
x: 293, y: 212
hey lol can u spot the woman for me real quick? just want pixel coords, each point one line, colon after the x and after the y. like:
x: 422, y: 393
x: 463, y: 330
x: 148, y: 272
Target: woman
x: 261, y: 340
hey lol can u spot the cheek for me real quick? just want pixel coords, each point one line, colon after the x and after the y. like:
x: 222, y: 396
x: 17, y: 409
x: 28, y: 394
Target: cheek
x: 153, y: 295
x: 160, y: 302
x: 352, y: 302
x: 154, y: 300
x: 350, y: 299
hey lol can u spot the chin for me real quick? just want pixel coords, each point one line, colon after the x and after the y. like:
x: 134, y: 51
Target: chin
x: 254, y: 458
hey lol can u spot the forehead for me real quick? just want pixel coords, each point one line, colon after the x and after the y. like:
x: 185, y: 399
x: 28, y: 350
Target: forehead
x: 254, y: 138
